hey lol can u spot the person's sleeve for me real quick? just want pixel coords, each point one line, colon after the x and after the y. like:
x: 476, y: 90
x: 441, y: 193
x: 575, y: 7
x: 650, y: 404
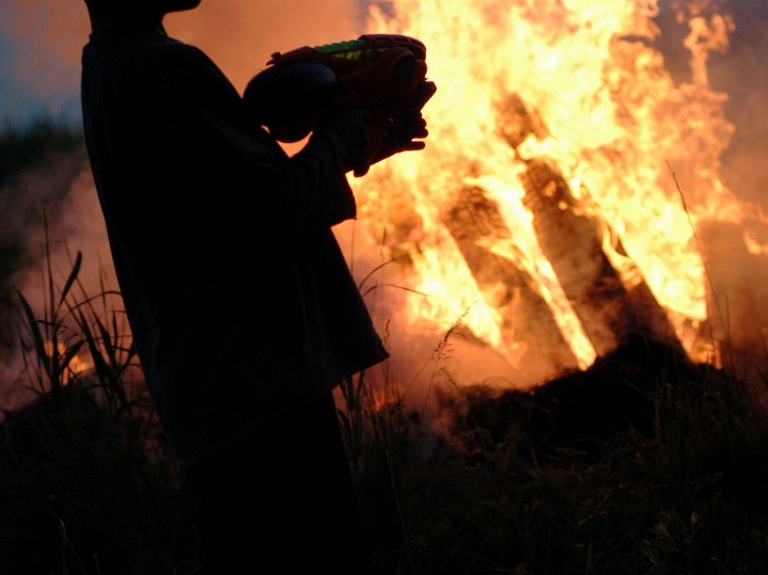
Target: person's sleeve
x: 233, y: 168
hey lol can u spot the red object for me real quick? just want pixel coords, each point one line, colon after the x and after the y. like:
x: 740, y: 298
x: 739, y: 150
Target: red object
x: 385, y: 73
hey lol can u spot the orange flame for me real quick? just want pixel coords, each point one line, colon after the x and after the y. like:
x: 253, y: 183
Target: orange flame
x: 577, y: 85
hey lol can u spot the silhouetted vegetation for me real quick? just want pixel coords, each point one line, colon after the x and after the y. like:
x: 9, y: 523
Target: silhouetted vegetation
x: 86, y: 485
x: 645, y: 463
x: 33, y: 146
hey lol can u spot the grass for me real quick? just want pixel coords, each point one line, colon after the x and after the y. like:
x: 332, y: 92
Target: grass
x: 667, y: 476
x: 86, y: 485
x: 643, y: 464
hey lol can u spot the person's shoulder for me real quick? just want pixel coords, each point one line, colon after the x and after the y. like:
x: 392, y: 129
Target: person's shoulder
x: 174, y: 59
x: 140, y: 48
x: 155, y: 58
x: 176, y: 48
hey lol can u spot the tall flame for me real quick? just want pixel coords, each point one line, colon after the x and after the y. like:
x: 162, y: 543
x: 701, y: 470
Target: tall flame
x: 576, y: 91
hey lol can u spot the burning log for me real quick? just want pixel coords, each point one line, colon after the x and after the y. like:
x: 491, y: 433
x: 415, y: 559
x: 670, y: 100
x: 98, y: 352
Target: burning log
x: 475, y: 222
x: 610, y: 306
x: 518, y: 123
x: 572, y: 241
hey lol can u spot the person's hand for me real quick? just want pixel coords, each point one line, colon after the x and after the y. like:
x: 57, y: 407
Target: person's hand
x: 398, y: 132
x: 349, y: 133
x: 363, y: 138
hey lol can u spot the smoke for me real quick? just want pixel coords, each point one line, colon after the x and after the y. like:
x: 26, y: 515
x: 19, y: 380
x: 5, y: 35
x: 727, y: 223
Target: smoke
x: 741, y: 72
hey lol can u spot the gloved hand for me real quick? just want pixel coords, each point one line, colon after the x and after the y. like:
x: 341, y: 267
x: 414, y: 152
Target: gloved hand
x: 348, y: 132
x: 363, y: 138
x: 398, y: 132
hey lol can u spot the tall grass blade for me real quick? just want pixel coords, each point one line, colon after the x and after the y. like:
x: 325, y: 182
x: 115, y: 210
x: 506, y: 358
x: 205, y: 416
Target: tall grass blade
x: 44, y: 362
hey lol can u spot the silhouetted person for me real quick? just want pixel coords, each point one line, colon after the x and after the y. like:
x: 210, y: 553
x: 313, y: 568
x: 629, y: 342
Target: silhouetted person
x: 242, y: 308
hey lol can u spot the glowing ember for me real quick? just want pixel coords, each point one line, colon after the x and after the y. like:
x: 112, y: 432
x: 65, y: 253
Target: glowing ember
x: 585, y: 166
